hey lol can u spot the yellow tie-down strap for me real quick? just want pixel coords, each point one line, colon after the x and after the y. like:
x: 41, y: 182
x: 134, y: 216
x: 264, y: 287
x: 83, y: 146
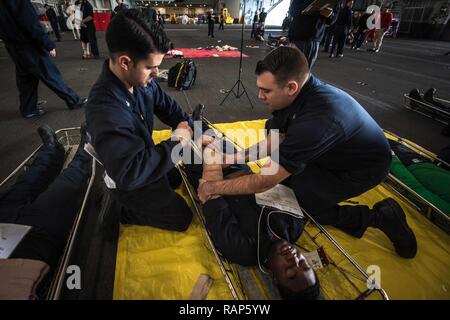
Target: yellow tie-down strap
x: 157, y: 264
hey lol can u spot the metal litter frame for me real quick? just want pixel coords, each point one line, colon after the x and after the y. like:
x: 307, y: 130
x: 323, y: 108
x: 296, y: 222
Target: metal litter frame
x: 69, y: 138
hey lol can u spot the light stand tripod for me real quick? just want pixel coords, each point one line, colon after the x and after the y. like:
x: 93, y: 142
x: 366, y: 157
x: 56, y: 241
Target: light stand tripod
x: 239, y: 82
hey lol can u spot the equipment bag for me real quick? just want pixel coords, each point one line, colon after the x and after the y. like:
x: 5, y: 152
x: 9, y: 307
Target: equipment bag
x: 182, y: 75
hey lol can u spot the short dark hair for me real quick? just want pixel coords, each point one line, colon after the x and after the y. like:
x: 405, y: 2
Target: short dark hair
x: 132, y: 33
x: 285, y: 63
x: 310, y: 293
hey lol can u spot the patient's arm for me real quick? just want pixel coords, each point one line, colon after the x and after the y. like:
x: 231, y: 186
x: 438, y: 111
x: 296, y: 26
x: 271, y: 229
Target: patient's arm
x: 212, y: 167
x: 249, y: 184
x: 236, y: 174
x: 257, y: 151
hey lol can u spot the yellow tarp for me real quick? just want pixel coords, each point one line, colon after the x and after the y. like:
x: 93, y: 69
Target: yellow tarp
x: 158, y: 264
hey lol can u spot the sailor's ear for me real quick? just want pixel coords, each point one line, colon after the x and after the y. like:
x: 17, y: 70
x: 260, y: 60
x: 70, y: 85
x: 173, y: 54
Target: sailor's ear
x: 293, y: 87
x: 124, y: 62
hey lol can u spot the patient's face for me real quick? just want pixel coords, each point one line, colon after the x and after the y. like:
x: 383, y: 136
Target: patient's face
x: 290, y: 268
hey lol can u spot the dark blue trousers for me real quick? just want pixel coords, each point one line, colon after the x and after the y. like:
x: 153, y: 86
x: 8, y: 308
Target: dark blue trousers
x: 340, y: 34
x: 55, y: 28
x: 310, y: 49
x: 47, y: 201
x: 211, y: 29
x: 33, y: 65
x: 319, y: 191
x: 93, y: 40
x: 328, y: 38
x: 359, y: 38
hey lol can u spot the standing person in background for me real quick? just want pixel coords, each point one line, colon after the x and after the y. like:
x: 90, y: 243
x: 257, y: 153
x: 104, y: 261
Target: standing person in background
x: 385, y: 22
x: 150, y: 14
x: 221, y: 22
x: 70, y: 9
x: 88, y: 23
x: 361, y: 31
x: 210, y: 19
x: 286, y: 22
x: 31, y: 51
x: 262, y: 20
x: 160, y: 20
x: 342, y: 27
x: 254, y: 25
x: 120, y: 6
x: 306, y: 30
x: 51, y: 15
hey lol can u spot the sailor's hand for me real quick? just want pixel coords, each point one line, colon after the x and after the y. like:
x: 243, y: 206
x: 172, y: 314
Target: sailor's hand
x: 52, y: 53
x: 183, y: 133
x: 203, y: 191
x: 208, y: 141
x: 185, y: 126
x: 326, y: 12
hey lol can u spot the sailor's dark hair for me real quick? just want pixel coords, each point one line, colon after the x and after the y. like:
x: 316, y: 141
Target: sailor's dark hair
x: 285, y: 63
x: 131, y: 32
x: 310, y: 293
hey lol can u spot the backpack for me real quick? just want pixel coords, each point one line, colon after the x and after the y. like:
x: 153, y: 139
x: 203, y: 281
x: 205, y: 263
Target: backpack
x: 182, y: 75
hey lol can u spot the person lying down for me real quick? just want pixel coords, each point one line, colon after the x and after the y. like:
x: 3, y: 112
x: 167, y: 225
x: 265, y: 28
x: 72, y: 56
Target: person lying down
x: 232, y: 222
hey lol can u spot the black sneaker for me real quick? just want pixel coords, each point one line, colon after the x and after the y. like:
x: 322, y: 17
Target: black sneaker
x: 390, y: 218
x: 78, y: 105
x: 39, y: 112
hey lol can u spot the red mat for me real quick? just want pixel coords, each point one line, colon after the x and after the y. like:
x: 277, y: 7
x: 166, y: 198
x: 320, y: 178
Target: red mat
x: 191, y: 53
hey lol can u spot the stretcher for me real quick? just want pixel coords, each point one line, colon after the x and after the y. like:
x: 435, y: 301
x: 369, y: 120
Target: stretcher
x: 251, y: 283
x: 150, y: 263
x: 427, y: 109
x: 157, y: 264
x: 70, y: 139
x: 422, y: 205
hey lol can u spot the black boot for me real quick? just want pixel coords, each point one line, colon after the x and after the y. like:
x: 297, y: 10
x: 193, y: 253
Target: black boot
x: 78, y: 105
x: 197, y: 115
x: 429, y: 97
x: 48, y: 136
x: 390, y: 218
x: 81, y: 155
x: 415, y: 94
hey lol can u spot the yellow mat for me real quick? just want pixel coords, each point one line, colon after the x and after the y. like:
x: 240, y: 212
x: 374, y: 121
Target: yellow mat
x: 158, y: 264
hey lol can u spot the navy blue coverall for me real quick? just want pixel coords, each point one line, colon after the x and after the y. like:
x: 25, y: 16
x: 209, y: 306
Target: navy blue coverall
x: 28, y: 46
x: 48, y: 201
x: 334, y: 151
x: 121, y: 125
